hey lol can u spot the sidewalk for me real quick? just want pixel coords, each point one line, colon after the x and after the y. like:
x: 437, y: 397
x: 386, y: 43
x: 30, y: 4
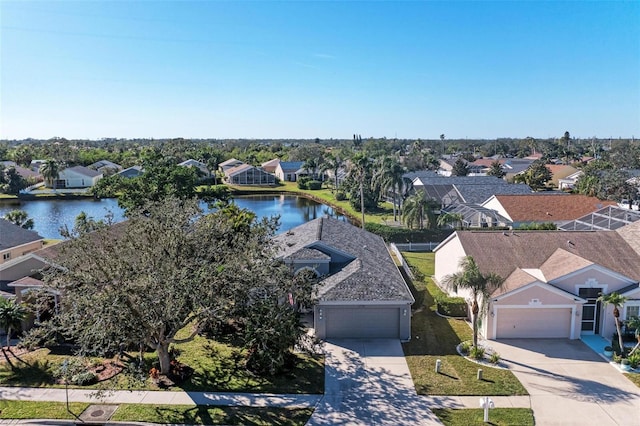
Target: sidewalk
x: 160, y: 397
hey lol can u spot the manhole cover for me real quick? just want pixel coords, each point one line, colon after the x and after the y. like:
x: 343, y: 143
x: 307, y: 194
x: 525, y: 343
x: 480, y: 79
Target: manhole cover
x: 97, y: 413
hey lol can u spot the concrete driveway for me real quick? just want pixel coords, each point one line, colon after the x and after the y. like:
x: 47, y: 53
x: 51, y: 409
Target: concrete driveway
x: 570, y: 384
x: 367, y: 382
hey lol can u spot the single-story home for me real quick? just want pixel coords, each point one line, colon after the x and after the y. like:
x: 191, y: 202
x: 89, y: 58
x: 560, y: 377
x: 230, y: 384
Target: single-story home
x: 77, y: 177
x: 288, y: 171
x: 246, y: 174
x: 361, y: 291
x: 16, y: 241
x: 552, y: 279
x: 200, y: 166
x: 229, y: 164
x: 105, y: 167
x: 30, y: 175
x: 131, y: 172
x: 558, y: 208
x: 271, y: 165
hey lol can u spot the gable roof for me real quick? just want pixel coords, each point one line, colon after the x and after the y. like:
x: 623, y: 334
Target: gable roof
x: 466, y: 189
x: 290, y: 166
x: 12, y: 235
x: 229, y: 162
x: 631, y: 234
x: 22, y: 171
x: 549, y: 207
x: 82, y: 171
x: 561, y: 263
x: 369, y: 273
x: 502, y: 252
x: 132, y: 171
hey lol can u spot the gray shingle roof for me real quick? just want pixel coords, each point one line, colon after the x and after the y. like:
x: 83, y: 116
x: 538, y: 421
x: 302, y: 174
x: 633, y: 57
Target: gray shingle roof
x: 365, y: 270
x: 12, y: 235
x: 310, y: 254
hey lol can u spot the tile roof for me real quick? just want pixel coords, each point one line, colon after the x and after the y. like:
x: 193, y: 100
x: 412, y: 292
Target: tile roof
x: 549, y: 207
x: 369, y: 273
x: 12, y: 235
x: 503, y: 252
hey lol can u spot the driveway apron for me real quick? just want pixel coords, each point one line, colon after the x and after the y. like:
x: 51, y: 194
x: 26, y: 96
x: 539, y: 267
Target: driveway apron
x: 367, y: 382
x: 570, y: 384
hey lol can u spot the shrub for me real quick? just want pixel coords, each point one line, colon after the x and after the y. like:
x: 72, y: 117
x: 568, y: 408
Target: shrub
x: 404, y: 235
x: 634, y: 360
x: 341, y: 196
x: 464, y: 347
x: 303, y: 182
x: 451, y: 306
x: 84, y: 378
x: 476, y: 352
x: 75, y: 371
x: 494, y: 358
x: 314, y: 185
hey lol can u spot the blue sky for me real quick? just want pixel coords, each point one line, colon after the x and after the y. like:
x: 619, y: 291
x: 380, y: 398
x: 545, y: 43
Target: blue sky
x: 301, y: 69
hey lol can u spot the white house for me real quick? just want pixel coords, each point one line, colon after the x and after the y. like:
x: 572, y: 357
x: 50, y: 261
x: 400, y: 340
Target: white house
x: 77, y: 177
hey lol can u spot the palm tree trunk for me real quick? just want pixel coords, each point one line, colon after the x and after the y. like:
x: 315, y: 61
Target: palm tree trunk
x: 362, y: 199
x: 474, y: 321
x: 620, y: 342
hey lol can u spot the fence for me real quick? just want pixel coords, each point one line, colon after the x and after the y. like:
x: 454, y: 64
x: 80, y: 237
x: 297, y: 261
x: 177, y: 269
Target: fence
x: 417, y: 246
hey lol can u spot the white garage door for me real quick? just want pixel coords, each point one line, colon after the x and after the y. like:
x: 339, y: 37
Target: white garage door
x: 365, y: 323
x: 540, y: 323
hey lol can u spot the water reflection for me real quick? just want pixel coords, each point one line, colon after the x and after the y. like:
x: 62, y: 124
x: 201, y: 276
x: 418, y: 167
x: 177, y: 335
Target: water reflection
x: 50, y: 215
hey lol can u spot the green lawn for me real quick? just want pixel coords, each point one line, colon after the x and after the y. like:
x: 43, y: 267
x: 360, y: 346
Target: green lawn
x: 436, y: 338
x: 197, y: 415
x: 174, y: 414
x: 475, y: 416
x: 39, y: 410
x: 635, y: 378
x: 215, y: 370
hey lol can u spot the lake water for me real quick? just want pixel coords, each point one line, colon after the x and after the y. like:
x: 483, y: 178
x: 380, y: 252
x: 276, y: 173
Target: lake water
x: 50, y: 215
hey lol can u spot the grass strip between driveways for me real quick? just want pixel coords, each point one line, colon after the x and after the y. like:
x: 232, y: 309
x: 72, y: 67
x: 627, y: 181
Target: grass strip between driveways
x: 434, y: 337
x: 173, y: 414
x: 635, y: 378
x: 475, y: 416
x: 40, y: 410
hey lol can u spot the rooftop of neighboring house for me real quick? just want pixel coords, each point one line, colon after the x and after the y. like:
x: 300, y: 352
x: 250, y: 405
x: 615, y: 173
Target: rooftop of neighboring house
x: 238, y: 169
x: 82, y: 171
x: 291, y: 166
x: 229, y: 162
x: 555, y: 207
x: 105, y: 164
x: 503, y: 252
x: 606, y: 218
x: 12, y: 235
x: 362, y: 270
x: 22, y: 171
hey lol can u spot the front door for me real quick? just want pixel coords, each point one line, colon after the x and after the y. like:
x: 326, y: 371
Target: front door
x: 590, y: 310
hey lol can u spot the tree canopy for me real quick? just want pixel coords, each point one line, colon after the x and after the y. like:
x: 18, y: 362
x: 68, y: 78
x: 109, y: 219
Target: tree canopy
x: 169, y: 267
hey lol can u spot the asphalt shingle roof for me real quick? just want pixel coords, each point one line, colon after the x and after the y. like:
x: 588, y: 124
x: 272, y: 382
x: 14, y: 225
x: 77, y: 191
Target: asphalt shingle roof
x: 12, y: 235
x: 549, y: 207
x: 503, y: 252
x: 367, y: 274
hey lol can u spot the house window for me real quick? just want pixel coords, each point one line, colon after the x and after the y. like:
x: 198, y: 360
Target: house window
x: 632, y: 311
x: 6, y: 256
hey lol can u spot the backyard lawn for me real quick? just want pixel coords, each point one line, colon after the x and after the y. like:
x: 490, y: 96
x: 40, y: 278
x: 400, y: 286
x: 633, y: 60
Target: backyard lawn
x: 217, y: 368
x: 436, y: 338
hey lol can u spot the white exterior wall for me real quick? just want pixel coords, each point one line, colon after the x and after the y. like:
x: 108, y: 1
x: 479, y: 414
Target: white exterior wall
x: 77, y: 180
x: 447, y: 257
x: 493, y: 204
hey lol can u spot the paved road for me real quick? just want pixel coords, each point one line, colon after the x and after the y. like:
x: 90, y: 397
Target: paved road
x: 569, y: 384
x: 367, y: 382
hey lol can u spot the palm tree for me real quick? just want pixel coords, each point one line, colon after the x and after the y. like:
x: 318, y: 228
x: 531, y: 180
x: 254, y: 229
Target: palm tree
x: 388, y: 176
x: 20, y: 218
x: 359, y: 167
x: 617, y: 301
x: 333, y: 163
x: 11, y: 316
x: 311, y: 165
x: 50, y: 170
x: 478, y: 284
x: 418, y: 210
x: 447, y: 218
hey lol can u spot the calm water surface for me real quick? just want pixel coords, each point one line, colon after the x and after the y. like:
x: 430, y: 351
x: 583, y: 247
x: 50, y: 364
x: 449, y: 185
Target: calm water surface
x: 50, y: 215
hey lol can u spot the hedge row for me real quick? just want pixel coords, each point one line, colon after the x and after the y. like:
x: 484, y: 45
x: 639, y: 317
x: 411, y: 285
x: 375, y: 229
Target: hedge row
x: 451, y: 306
x: 404, y: 235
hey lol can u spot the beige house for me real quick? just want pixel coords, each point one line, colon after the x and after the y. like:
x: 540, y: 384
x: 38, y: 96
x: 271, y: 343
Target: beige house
x: 16, y: 241
x: 552, y: 279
